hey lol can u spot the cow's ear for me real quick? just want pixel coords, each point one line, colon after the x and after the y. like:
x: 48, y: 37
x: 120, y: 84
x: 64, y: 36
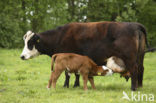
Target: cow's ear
x: 37, y: 38
x: 24, y: 37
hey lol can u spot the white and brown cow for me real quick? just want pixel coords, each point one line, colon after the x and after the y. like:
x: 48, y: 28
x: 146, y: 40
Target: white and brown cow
x: 97, y: 40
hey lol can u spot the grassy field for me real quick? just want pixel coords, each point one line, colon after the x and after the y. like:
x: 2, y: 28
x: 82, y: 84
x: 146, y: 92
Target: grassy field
x: 25, y: 82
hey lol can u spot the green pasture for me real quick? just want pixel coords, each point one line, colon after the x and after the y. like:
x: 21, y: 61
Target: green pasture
x: 26, y: 81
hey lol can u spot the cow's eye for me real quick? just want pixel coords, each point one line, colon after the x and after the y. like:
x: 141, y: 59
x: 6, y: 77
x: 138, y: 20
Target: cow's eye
x: 30, y: 44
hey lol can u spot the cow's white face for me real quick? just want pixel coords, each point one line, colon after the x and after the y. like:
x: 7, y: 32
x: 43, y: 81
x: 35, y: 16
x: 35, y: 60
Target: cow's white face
x: 29, y: 50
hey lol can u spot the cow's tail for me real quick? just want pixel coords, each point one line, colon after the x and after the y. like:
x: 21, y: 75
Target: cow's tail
x: 53, y: 62
x: 149, y: 49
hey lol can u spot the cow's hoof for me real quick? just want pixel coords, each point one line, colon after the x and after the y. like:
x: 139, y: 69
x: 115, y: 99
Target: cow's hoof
x: 78, y: 85
x: 127, y: 78
x: 65, y: 86
x: 140, y: 86
x: 133, y: 89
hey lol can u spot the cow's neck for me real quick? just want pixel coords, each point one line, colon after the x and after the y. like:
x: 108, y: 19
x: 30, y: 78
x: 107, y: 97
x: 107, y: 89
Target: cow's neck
x: 48, y: 44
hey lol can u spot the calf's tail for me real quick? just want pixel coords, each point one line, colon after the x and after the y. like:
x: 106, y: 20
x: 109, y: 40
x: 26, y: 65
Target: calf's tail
x: 53, y: 62
x: 150, y: 50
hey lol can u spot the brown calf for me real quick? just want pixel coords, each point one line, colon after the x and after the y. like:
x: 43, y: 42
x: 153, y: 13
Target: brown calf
x: 74, y: 63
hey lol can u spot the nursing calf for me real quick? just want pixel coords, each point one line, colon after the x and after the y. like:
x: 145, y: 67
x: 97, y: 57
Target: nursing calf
x: 74, y: 63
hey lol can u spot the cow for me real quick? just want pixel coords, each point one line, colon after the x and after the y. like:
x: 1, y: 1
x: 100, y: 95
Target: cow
x: 97, y: 40
x: 74, y: 63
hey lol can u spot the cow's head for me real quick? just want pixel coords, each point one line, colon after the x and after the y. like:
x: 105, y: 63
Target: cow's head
x: 30, y: 40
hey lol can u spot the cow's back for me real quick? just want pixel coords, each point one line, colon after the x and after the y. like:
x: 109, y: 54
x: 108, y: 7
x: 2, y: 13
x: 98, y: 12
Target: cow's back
x: 99, y: 38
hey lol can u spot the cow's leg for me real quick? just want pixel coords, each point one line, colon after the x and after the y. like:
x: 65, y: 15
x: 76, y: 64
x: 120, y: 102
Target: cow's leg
x: 66, y: 83
x: 140, y: 76
x: 91, y: 80
x: 134, y: 77
x: 77, y: 83
x: 141, y: 72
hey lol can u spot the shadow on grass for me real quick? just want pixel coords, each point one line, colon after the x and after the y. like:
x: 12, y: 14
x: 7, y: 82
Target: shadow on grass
x: 3, y: 90
x: 110, y: 87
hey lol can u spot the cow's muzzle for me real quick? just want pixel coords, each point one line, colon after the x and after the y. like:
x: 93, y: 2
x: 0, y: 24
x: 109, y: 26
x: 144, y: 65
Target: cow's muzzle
x: 23, y: 57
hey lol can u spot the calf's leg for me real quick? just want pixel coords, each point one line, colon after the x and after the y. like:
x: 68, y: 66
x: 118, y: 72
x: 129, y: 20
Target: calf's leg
x: 53, y: 78
x: 91, y: 80
x: 50, y: 80
x: 85, y: 79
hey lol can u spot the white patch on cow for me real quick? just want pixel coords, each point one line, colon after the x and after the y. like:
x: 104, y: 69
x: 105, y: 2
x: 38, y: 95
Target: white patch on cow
x: 78, y: 72
x: 104, y: 67
x: 67, y: 68
x: 68, y: 71
x: 109, y: 72
x: 69, y: 74
x: 115, y: 67
x: 26, y: 53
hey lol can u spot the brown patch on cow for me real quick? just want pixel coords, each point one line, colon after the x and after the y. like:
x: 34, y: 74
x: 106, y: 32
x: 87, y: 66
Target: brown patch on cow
x: 137, y: 42
x: 143, y: 43
x: 126, y: 74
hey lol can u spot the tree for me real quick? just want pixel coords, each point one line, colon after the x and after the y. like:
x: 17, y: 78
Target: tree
x: 19, y: 16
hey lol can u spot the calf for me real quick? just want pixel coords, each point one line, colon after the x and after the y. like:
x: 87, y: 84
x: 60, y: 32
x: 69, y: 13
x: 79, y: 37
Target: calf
x: 74, y: 63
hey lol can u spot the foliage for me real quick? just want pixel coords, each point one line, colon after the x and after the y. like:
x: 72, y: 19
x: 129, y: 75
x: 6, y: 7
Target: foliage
x: 147, y: 16
x: 19, y: 16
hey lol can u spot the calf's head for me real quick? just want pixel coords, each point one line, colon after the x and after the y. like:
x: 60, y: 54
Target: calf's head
x: 30, y: 40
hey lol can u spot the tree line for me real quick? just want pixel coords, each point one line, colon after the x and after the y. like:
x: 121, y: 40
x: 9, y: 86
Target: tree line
x: 19, y: 16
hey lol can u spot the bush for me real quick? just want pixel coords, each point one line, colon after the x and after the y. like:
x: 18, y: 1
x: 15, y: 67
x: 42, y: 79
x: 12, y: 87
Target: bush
x: 10, y: 33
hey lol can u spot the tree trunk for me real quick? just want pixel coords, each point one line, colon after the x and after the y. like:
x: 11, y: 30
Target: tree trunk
x: 71, y: 9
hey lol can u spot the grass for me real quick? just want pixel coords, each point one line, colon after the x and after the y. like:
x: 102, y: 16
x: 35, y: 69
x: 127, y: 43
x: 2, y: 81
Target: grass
x: 25, y: 82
